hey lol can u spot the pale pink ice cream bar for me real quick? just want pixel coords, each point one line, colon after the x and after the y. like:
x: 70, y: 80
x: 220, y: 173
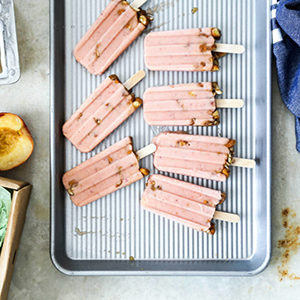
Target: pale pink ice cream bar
x: 182, y: 50
x: 105, y: 109
x: 105, y: 173
x: 111, y: 34
x: 181, y: 105
x: 183, y: 202
x: 200, y: 156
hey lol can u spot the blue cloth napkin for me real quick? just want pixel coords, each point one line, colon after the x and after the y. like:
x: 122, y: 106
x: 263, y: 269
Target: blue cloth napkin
x: 286, y: 48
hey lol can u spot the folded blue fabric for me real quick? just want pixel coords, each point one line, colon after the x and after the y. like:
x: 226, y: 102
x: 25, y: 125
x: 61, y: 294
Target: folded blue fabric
x: 286, y: 48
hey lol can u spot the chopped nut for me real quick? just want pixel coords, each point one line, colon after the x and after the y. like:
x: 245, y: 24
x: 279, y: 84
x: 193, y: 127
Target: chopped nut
x: 144, y: 171
x: 114, y: 77
x: 70, y: 192
x: 203, y: 64
x: 212, y: 229
x: 226, y: 172
x: 97, y: 121
x: 216, y: 33
x: 216, y: 89
x: 72, y: 185
x: 230, y: 144
x: 97, y: 51
x: 193, y: 121
x: 129, y: 152
x: 128, y: 26
x: 203, y: 47
x: 95, y: 135
x: 223, y: 197
x: 216, y: 115
x: 110, y: 160
x: 215, y: 68
x: 182, y: 143
x: 119, y: 170
x: 107, y: 104
x: 205, y: 201
x: 125, y: 3
x: 194, y: 10
x: 159, y: 187
x: 144, y: 20
x: 119, y: 184
x: 137, y: 103
x: 201, y: 84
x: 191, y: 93
x: 120, y: 11
x: 79, y: 116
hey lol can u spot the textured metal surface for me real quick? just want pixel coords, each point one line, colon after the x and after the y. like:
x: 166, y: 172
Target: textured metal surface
x: 9, y: 56
x: 101, y: 237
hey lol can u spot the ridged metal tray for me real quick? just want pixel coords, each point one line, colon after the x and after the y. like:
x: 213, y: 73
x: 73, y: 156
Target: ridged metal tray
x: 100, y: 239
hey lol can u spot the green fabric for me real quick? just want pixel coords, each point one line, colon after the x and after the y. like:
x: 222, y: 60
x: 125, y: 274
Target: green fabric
x: 5, y: 203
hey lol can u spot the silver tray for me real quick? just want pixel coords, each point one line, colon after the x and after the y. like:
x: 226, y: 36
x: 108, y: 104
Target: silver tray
x: 99, y: 239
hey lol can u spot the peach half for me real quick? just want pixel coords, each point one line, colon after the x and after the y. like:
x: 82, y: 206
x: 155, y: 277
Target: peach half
x: 16, y: 143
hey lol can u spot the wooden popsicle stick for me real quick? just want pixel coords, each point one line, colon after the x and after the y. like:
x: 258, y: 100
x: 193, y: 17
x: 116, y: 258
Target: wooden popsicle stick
x: 136, y: 4
x: 244, y: 163
x: 151, y: 148
x: 227, y: 217
x: 230, y: 48
x: 229, y: 103
x: 134, y: 79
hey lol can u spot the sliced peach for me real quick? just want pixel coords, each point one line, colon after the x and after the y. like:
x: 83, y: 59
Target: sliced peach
x: 16, y: 143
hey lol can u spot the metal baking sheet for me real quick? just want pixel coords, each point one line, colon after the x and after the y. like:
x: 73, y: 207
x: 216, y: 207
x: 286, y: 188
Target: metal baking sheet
x: 99, y: 239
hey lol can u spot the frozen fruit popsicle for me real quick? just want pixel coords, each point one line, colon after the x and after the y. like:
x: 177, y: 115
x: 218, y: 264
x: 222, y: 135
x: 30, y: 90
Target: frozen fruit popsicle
x: 111, y: 34
x: 185, y: 104
x: 194, y: 155
x: 186, y: 50
x: 106, y: 172
x: 106, y: 108
x: 187, y: 203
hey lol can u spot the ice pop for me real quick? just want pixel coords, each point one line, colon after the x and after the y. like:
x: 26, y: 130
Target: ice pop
x: 185, y: 104
x: 106, y: 108
x: 110, y: 35
x: 186, y: 50
x: 106, y: 172
x: 194, y: 155
x: 187, y: 203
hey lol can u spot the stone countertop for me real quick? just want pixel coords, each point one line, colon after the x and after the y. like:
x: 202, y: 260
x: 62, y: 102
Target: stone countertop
x: 36, y: 278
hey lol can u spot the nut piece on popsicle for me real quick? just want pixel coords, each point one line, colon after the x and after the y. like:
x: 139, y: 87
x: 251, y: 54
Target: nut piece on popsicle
x: 104, y: 173
x: 16, y: 143
x: 114, y: 30
x: 187, y: 203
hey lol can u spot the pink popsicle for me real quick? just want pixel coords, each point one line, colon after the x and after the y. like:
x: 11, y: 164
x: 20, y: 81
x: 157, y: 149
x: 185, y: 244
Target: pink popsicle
x: 182, y: 50
x: 187, y: 203
x: 181, y: 105
x: 106, y: 172
x: 106, y: 108
x: 111, y: 34
x: 200, y: 156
